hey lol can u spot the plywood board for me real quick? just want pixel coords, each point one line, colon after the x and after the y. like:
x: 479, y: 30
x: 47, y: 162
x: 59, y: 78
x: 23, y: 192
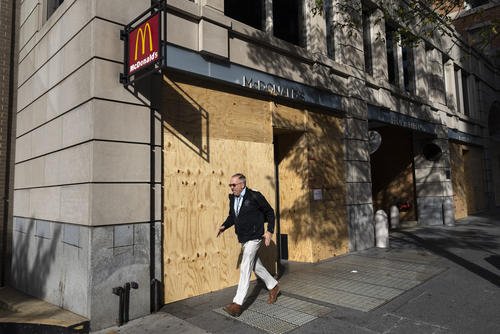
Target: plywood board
x: 327, y: 172
x: 467, y: 171
x: 289, y: 118
x: 295, y: 217
x: 495, y: 167
x: 458, y: 180
x: 474, y: 176
x: 214, y: 113
x: 199, y: 158
x: 311, y: 159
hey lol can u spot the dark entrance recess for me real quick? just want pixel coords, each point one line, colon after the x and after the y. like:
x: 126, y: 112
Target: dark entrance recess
x: 392, y: 171
x: 249, y: 12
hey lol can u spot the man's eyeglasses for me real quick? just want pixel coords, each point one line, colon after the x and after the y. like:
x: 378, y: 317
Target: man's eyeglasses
x: 232, y: 185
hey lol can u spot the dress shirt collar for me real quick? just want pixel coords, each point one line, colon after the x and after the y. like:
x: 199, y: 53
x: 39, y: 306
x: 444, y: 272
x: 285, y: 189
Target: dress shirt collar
x: 242, y: 194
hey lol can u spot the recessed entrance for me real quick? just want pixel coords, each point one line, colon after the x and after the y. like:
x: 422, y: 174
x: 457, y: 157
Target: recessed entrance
x: 392, y: 169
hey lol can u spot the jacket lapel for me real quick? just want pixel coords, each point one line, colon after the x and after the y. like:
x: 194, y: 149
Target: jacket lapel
x: 245, y: 198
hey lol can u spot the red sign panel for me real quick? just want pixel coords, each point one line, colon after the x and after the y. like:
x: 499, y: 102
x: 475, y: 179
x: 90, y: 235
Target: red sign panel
x: 144, y: 44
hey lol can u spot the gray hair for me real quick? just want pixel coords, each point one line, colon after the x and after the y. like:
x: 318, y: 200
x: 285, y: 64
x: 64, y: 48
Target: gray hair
x: 241, y: 177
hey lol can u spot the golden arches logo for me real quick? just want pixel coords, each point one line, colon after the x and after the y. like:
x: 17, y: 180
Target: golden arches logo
x: 142, y: 35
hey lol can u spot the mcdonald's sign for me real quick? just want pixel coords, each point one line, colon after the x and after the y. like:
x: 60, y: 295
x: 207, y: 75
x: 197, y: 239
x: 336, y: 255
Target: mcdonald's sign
x: 144, y: 44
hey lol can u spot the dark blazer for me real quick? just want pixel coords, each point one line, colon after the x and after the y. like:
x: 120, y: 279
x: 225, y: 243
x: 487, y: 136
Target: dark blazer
x: 254, y: 211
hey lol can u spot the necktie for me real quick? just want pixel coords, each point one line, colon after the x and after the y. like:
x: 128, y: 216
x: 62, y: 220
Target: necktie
x: 238, y: 199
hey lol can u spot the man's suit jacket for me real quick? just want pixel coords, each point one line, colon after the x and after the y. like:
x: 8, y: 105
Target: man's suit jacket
x: 254, y: 211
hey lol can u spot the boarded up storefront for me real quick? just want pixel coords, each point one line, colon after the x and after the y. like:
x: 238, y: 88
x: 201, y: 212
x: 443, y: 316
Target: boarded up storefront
x: 208, y: 136
x: 467, y: 175
x: 211, y: 131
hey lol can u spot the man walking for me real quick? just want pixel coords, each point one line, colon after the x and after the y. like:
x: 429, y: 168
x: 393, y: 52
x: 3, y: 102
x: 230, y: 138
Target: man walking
x: 248, y: 210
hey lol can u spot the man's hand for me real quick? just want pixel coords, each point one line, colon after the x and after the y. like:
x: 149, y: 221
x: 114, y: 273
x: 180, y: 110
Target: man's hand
x: 220, y: 230
x: 267, y: 238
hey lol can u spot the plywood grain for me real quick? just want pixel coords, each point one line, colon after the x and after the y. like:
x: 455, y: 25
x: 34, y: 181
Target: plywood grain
x: 207, y: 137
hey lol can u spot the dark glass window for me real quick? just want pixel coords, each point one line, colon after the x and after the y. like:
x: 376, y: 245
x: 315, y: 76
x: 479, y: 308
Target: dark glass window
x: 392, y: 66
x: 248, y: 11
x: 367, y: 40
x: 287, y: 15
x: 52, y: 5
x: 477, y: 3
x: 408, y: 69
x: 465, y: 92
x: 457, y: 89
x: 330, y: 44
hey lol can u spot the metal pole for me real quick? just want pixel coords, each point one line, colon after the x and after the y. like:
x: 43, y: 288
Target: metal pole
x: 10, y: 112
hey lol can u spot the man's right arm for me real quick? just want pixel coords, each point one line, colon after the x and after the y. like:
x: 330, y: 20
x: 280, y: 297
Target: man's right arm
x: 227, y: 223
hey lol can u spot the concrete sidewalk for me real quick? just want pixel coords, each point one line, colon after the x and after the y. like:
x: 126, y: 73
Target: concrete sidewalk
x: 431, y: 280
x: 20, y: 313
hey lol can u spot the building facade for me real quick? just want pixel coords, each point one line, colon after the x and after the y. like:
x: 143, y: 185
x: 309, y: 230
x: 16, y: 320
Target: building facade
x: 117, y: 184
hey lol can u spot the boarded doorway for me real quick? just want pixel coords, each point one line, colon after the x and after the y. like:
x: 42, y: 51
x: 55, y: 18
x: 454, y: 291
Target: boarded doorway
x: 309, y: 157
x: 467, y: 176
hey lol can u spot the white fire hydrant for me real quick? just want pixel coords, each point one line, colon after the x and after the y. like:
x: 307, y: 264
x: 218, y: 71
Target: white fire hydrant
x: 381, y: 229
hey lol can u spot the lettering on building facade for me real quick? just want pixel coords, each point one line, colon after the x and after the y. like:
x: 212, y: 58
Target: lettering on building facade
x: 274, y: 89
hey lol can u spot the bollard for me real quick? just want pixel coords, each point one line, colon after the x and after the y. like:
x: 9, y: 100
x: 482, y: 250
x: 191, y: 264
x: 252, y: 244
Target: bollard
x: 381, y: 229
x: 394, y: 217
x: 448, y: 212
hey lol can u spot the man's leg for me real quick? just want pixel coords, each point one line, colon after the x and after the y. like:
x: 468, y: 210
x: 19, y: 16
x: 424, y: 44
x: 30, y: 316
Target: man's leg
x: 250, y: 249
x: 264, y: 275
x: 269, y: 281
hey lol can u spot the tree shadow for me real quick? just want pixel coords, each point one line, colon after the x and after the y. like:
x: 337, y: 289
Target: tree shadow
x: 31, y: 268
x: 38, y: 270
x: 180, y: 114
x: 310, y: 156
x: 441, y: 241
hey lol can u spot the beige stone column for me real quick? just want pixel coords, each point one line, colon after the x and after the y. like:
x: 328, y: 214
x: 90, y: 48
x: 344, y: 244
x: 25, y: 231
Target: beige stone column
x: 423, y: 69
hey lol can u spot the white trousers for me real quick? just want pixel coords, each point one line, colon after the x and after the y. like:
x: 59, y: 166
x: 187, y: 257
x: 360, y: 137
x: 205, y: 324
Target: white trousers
x: 250, y: 261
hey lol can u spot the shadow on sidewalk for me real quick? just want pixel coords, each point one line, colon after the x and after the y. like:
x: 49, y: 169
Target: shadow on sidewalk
x: 433, y: 246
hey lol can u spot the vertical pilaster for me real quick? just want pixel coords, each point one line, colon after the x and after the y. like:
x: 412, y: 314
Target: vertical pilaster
x: 398, y: 53
x: 432, y: 178
x: 358, y: 178
x: 315, y: 30
x: 423, y: 70
x: 451, y: 90
x: 268, y: 16
x: 348, y: 36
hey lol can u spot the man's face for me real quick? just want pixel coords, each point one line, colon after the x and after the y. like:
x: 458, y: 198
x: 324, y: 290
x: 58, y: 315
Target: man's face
x: 236, y: 186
